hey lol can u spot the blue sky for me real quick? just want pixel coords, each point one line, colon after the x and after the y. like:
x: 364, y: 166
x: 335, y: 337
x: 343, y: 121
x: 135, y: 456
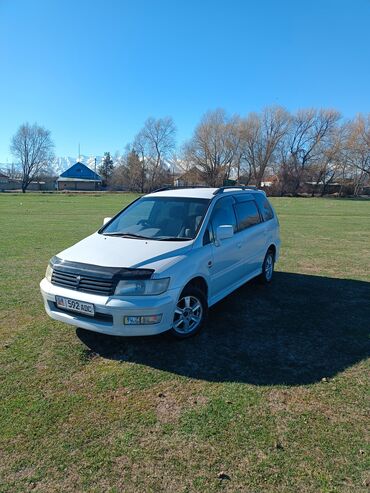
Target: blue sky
x: 93, y: 71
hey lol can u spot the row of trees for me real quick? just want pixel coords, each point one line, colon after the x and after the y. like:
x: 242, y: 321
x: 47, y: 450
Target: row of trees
x: 313, y: 146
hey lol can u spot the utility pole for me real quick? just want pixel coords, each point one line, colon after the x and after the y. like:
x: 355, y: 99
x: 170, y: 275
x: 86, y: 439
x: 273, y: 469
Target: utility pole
x: 96, y: 185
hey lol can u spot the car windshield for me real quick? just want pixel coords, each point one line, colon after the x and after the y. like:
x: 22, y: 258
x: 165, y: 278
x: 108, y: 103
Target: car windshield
x: 160, y: 218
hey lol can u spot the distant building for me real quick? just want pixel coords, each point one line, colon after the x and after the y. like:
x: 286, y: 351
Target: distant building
x: 191, y: 177
x: 9, y: 184
x: 4, y: 181
x: 79, y: 177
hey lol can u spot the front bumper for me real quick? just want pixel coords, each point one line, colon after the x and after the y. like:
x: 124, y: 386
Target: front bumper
x: 110, y: 311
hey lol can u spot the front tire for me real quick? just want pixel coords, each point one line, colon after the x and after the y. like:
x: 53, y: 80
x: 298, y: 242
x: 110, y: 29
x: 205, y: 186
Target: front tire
x: 268, y: 268
x: 190, y: 313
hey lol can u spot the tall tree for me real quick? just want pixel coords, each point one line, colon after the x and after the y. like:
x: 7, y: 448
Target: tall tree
x: 260, y: 135
x: 214, y: 147
x: 358, y: 143
x: 135, y: 171
x: 33, y: 148
x: 154, y: 145
x: 106, y: 167
x: 328, y: 165
x: 303, y: 145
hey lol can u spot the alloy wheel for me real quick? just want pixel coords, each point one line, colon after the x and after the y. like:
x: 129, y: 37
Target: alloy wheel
x: 269, y: 267
x: 188, y: 315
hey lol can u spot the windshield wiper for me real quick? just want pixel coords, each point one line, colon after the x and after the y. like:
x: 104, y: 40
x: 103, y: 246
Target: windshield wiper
x: 128, y: 235
x: 173, y: 238
x: 122, y: 234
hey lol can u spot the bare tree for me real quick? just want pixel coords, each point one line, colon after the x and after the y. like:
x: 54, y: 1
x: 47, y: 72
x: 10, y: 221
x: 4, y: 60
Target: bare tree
x: 260, y: 136
x: 214, y: 147
x: 154, y: 145
x: 303, y: 145
x: 119, y: 177
x: 358, y: 143
x: 33, y: 148
x: 328, y: 166
x: 135, y: 172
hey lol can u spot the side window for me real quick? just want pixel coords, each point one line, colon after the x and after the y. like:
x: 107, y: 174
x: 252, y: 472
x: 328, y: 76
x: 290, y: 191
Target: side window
x: 266, y: 211
x: 248, y: 214
x: 223, y: 213
x: 264, y: 206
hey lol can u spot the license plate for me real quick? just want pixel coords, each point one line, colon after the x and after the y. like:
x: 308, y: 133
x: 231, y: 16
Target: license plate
x: 75, y: 305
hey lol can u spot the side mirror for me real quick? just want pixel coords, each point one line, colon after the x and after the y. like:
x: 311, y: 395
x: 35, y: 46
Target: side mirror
x: 106, y: 220
x: 224, y: 231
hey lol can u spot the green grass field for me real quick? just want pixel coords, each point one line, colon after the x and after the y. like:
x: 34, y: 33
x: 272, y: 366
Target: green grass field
x: 275, y: 391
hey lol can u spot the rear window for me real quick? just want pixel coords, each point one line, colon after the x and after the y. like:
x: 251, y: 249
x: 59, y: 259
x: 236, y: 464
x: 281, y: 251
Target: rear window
x: 247, y: 213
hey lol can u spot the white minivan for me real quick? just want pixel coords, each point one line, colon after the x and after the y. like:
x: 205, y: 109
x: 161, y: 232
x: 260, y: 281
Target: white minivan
x: 161, y: 262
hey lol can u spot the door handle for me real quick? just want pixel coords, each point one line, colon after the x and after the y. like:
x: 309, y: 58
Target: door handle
x: 209, y: 263
x: 239, y: 245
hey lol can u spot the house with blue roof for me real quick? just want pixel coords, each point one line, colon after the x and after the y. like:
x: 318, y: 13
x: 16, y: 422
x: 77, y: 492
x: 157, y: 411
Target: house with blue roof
x: 79, y: 177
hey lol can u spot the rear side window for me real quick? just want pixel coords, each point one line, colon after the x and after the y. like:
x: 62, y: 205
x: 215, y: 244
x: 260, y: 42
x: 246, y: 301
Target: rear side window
x: 248, y: 214
x: 264, y: 206
x: 266, y: 210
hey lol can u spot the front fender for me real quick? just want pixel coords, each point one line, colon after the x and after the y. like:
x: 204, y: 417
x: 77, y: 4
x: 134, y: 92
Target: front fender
x: 196, y: 264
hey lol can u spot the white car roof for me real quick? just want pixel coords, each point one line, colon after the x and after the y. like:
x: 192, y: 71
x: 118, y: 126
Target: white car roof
x: 203, y: 193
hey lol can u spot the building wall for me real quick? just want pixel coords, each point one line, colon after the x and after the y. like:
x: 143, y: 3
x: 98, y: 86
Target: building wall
x: 34, y: 186
x: 78, y: 185
x: 4, y: 184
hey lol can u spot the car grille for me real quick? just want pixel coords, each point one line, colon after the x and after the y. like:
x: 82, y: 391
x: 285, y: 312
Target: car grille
x: 85, y: 283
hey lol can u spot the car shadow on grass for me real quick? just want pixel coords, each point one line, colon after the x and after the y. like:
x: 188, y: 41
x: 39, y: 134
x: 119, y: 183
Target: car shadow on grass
x: 298, y: 330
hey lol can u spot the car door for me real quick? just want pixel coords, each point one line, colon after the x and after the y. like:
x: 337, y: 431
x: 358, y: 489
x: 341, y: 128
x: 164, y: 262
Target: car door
x: 226, y: 254
x: 251, y: 237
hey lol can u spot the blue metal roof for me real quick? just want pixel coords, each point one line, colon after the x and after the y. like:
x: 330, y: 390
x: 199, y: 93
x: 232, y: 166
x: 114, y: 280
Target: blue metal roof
x: 80, y: 170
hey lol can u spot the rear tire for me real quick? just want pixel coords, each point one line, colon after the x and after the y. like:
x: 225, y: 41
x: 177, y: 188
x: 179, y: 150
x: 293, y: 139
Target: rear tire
x: 268, y: 268
x: 190, y: 313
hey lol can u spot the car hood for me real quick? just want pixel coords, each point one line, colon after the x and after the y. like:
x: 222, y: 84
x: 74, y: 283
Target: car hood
x: 115, y: 251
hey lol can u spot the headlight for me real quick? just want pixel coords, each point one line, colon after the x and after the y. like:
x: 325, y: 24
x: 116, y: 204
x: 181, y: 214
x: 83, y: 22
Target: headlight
x: 49, y: 272
x: 142, y: 287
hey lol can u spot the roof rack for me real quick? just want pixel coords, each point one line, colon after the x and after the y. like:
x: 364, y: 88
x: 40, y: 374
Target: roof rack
x: 160, y: 189
x: 229, y: 187
x: 216, y: 192
x: 178, y: 188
